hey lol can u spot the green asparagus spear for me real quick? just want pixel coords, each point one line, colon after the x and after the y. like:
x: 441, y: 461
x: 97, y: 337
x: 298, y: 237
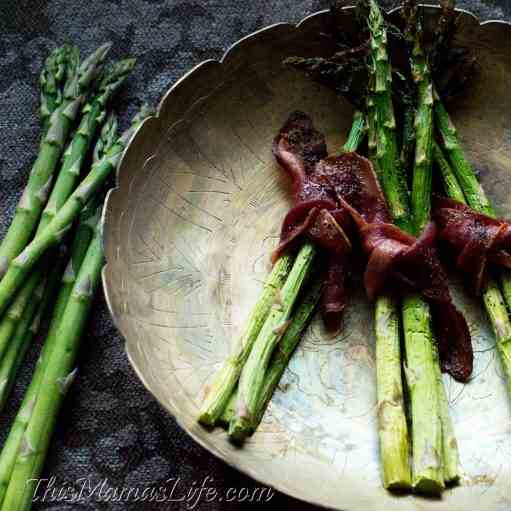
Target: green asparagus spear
x: 387, y: 153
x: 58, y: 376
x: 394, y: 447
x: 20, y: 267
x: 460, y: 171
x: 424, y: 346
x: 29, y: 319
x: 27, y: 329
x: 39, y: 183
x: 422, y: 172
x: 392, y: 425
x: 85, y: 231
x: 449, y: 181
x: 474, y: 193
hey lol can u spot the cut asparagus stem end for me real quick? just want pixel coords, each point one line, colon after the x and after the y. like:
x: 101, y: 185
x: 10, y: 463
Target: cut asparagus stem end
x: 424, y: 399
x: 240, y: 429
x: 219, y: 393
x: 392, y: 425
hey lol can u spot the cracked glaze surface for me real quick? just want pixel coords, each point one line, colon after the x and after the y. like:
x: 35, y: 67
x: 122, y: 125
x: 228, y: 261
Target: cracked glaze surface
x: 188, y: 233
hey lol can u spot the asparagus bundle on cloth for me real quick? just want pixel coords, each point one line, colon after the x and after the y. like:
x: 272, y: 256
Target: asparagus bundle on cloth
x: 94, y: 113
x: 59, y: 124
x: 24, y: 451
x: 30, y: 318
x: 54, y: 232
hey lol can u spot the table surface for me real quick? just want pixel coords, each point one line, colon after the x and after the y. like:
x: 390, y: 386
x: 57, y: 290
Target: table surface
x: 111, y: 431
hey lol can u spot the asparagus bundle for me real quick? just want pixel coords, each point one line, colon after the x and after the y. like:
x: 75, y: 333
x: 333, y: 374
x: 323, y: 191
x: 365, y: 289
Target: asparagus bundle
x: 59, y: 124
x: 29, y: 320
x: 94, y: 113
x: 253, y: 360
x: 461, y: 183
x: 54, y: 232
x: 435, y: 453
x: 20, y: 460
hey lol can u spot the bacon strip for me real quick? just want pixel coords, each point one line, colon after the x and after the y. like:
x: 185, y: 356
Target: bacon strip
x: 339, y: 196
x: 395, y: 257
x: 298, y: 148
x: 475, y: 239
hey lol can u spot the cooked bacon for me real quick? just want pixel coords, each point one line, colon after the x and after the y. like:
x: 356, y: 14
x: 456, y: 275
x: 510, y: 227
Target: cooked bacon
x: 475, y: 239
x: 298, y: 148
x: 395, y: 257
x: 338, y: 196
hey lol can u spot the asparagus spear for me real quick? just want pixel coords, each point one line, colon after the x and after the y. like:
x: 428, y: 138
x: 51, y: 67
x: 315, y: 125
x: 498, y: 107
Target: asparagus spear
x: 84, y: 233
x: 283, y: 352
x: 387, y: 153
x: 392, y: 425
x: 26, y: 330
x: 253, y: 373
x: 426, y: 429
x: 422, y: 174
x: 55, y: 383
x: 449, y: 181
x: 39, y: 183
x: 448, y: 456
x: 52, y: 81
x: 474, y: 193
x: 20, y: 267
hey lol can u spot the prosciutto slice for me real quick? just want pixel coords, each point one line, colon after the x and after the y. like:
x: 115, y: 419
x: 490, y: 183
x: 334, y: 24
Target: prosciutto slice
x: 337, y: 201
x: 395, y: 257
x: 316, y: 214
x: 476, y: 240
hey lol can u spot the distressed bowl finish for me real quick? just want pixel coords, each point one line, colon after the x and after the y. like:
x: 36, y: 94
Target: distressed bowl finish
x: 188, y: 233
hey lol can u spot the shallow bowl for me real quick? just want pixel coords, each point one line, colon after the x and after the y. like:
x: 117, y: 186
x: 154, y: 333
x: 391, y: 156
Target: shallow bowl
x: 188, y: 232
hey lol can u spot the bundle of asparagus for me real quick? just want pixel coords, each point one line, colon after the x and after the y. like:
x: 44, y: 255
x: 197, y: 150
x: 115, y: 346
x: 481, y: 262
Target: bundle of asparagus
x: 33, y: 269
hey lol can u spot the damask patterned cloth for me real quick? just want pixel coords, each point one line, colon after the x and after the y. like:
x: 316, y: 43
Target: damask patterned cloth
x: 111, y: 431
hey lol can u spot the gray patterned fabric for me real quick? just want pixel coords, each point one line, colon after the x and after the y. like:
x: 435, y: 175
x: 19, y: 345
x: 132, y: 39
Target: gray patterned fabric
x: 110, y: 427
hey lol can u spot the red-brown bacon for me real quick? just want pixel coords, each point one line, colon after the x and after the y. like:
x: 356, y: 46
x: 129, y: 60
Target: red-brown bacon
x: 337, y: 196
x: 475, y: 239
x: 316, y: 214
x: 395, y: 257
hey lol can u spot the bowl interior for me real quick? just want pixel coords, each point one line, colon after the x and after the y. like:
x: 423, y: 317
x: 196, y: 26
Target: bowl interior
x: 188, y: 235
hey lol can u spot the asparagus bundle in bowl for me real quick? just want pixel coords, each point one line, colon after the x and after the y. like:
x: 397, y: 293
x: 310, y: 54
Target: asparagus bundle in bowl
x: 436, y: 335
